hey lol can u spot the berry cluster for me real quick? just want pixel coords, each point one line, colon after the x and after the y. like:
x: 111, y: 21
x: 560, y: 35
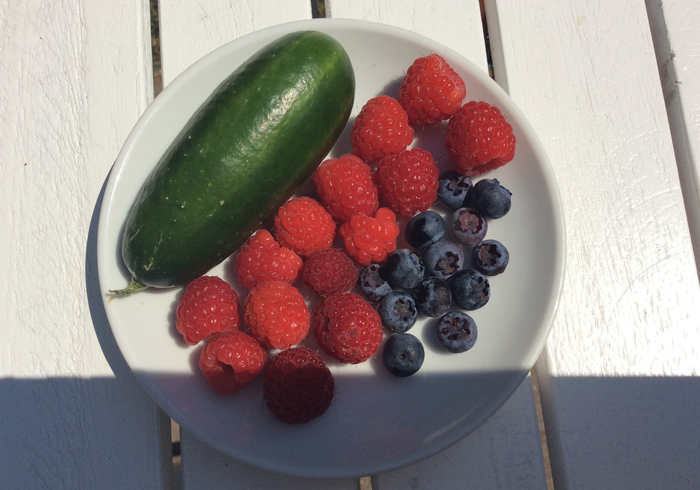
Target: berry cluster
x: 447, y: 266
x: 339, y: 245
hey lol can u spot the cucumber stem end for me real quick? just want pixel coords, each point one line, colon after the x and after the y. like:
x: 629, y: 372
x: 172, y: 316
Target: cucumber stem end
x: 133, y: 287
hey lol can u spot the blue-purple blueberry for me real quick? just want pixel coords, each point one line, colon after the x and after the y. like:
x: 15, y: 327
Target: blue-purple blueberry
x: 372, y: 283
x: 490, y: 257
x: 468, y: 226
x: 456, y: 331
x: 398, y: 311
x: 470, y: 289
x: 424, y: 229
x: 490, y: 198
x: 403, y: 354
x: 453, y: 189
x: 433, y: 296
x: 443, y: 259
x: 404, y: 268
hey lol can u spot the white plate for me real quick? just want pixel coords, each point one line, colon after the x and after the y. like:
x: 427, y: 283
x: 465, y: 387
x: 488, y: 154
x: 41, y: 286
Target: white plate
x: 376, y: 422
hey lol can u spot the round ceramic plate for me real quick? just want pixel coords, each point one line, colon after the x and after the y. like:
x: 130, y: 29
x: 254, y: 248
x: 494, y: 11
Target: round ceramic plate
x: 376, y: 422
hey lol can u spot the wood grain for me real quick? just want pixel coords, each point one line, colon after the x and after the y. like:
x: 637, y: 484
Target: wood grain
x: 673, y: 28
x: 191, y: 29
x: 71, y: 89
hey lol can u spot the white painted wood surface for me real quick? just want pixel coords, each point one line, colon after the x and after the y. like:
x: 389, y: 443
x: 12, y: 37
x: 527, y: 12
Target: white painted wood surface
x: 674, y: 26
x: 620, y: 373
x: 75, y: 77
x: 620, y: 369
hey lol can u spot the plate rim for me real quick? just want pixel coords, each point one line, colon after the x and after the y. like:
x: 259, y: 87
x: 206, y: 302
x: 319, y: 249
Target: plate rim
x: 328, y: 25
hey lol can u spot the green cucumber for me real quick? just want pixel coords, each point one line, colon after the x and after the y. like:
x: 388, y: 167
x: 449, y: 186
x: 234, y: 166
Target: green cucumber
x: 247, y: 149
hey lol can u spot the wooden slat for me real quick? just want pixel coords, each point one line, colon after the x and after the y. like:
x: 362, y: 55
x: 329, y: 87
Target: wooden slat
x: 674, y: 30
x: 205, y: 468
x: 619, y: 373
x: 72, y: 87
x: 505, y: 452
x: 454, y: 23
x: 189, y: 30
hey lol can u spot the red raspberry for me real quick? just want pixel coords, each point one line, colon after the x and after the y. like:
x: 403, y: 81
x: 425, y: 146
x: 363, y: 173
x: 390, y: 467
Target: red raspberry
x: 346, y: 188
x: 347, y: 327
x: 370, y: 239
x: 304, y: 226
x: 479, y: 139
x: 408, y: 182
x: 431, y: 91
x: 380, y: 129
x: 208, y: 305
x: 262, y: 259
x: 276, y: 314
x: 230, y: 360
x: 298, y: 386
x: 330, y: 271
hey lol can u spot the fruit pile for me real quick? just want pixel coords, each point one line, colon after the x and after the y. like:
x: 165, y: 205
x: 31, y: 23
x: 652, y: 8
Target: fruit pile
x: 340, y: 243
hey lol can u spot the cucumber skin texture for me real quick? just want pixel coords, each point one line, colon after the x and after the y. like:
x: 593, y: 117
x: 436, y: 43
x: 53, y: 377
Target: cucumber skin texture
x: 245, y: 151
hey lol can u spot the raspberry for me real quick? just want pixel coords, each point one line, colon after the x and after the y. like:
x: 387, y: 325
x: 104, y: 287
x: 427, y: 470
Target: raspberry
x: 380, y: 129
x: 369, y: 239
x: 330, y: 271
x: 479, y: 139
x: 346, y: 188
x: 276, y: 314
x: 408, y: 182
x: 347, y: 327
x: 298, y: 386
x: 304, y: 226
x: 208, y: 305
x: 230, y: 360
x: 431, y: 91
x: 262, y: 259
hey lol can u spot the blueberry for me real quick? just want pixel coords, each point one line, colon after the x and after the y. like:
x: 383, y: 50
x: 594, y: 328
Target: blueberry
x: 490, y: 257
x: 424, y: 229
x: 442, y: 259
x: 468, y: 226
x: 404, y: 268
x: 470, y: 289
x: 456, y: 331
x: 490, y: 198
x: 372, y: 283
x: 397, y: 311
x: 453, y: 189
x: 403, y: 354
x: 433, y: 296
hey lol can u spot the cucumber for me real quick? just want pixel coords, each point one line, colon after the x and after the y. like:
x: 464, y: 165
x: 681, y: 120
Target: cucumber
x: 257, y: 138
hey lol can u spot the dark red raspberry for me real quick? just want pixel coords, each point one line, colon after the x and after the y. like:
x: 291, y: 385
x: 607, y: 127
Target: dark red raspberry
x: 276, y: 314
x: 298, y: 386
x: 208, y: 305
x: 347, y: 327
x: 370, y: 239
x: 304, y: 226
x: 230, y: 360
x: 346, y: 188
x: 330, y: 271
x: 262, y: 259
x: 408, y: 182
x: 380, y: 129
x: 479, y: 139
x: 431, y: 91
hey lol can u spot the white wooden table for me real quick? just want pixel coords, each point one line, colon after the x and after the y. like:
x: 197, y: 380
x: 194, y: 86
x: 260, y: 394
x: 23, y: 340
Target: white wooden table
x: 612, y: 87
